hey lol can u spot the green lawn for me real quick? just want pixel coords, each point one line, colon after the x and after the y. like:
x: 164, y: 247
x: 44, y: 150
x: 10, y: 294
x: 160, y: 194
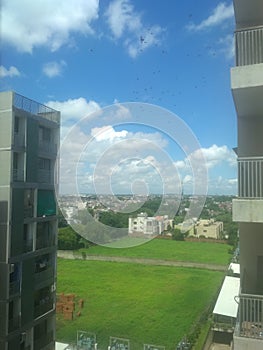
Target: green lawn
x: 203, y: 252
x: 146, y: 304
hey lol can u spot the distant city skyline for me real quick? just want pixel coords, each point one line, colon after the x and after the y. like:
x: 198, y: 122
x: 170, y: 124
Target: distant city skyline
x: 80, y: 58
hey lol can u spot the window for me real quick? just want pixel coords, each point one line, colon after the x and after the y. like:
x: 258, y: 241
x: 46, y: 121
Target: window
x: 44, y: 134
x: 44, y: 163
x: 16, y: 126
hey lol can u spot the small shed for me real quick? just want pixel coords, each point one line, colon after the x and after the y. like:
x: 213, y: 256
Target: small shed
x: 226, y: 307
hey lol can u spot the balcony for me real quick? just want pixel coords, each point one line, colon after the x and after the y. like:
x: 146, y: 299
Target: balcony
x: 45, y: 242
x: 250, y: 177
x: 44, y: 176
x: 249, y: 46
x: 250, y: 317
x: 18, y: 175
x: 13, y: 323
x: 47, y: 147
x: 43, y: 307
x: 33, y: 107
x: 249, y: 206
x: 43, y: 340
x: 44, y: 274
x: 28, y: 212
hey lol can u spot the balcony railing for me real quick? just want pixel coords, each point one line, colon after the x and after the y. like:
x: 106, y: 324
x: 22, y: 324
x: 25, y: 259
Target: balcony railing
x: 18, y: 175
x: 43, y: 308
x: 13, y: 323
x: 28, y: 212
x: 250, y: 177
x: 45, y: 274
x: 250, y: 316
x: 44, y: 242
x: 47, y: 147
x: 44, y: 176
x: 33, y: 107
x: 249, y: 46
x: 43, y: 340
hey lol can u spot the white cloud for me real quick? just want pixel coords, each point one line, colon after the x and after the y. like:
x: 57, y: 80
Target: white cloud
x: 53, y: 69
x: 220, y: 14
x: 107, y: 133
x: 126, y: 24
x: 227, y: 44
x: 11, y: 72
x: 74, y: 109
x: 27, y: 24
x: 215, y: 155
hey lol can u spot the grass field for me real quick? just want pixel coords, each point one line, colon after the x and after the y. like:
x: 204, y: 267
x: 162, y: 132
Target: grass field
x: 146, y: 304
x: 203, y: 252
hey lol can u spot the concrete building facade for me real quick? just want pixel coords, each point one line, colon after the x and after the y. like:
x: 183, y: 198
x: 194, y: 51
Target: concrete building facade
x: 208, y: 229
x: 29, y: 140
x: 247, y: 89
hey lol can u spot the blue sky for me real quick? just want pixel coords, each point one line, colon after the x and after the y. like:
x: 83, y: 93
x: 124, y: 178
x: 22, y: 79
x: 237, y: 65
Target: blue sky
x: 82, y: 56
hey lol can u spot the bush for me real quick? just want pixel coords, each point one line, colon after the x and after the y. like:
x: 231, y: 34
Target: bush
x: 68, y: 239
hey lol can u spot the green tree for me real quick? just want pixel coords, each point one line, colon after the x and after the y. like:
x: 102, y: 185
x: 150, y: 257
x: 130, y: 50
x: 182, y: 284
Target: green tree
x: 177, y: 235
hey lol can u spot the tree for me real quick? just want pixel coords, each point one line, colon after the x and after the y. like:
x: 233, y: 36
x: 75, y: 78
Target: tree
x: 177, y: 235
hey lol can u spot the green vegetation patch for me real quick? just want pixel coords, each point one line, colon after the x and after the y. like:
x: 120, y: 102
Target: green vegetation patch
x: 146, y: 304
x: 202, y: 252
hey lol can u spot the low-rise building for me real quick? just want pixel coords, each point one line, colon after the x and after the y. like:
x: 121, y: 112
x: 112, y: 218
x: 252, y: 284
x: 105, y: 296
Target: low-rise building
x: 208, y: 229
x: 148, y: 225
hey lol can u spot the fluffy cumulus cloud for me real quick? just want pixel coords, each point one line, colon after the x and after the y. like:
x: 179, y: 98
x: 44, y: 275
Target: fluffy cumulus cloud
x: 53, y: 69
x: 106, y: 160
x: 27, y: 24
x: 126, y: 24
x: 221, y: 13
x: 9, y: 72
x: 73, y: 110
x: 215, y: 155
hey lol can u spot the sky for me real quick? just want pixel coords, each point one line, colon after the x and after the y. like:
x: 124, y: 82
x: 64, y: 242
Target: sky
x: 143, y: 88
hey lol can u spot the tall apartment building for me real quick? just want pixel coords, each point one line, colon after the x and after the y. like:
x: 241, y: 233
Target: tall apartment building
x: 29, y: 139
x: 247, y: 88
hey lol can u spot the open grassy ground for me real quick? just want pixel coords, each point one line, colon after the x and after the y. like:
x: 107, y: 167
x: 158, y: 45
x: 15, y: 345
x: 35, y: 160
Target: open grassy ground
x: 146, y: 304
x: 203, y: 252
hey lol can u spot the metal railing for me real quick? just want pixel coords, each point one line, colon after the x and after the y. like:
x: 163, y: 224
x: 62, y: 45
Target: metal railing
x: 250, y: 316
x: 33, y: 107
x: 13, y: 323
x: 43, y: 308
x: 44, y: 176
x: 47, y: 147
x: 43, y: 340
x: 28, y: 212
x: 249, y: 46
x: 45, y: 274
x: 250, y: 177
x: 18, y: 175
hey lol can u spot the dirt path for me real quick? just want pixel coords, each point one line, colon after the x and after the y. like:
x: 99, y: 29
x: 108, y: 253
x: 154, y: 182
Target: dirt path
x: 70, y: 255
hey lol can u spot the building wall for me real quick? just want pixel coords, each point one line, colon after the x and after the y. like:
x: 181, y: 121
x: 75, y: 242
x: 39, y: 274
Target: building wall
x: 27, y: 201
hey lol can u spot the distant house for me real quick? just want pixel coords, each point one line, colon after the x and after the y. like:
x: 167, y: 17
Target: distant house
x: 208, y: 229
x: 147, y: 225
